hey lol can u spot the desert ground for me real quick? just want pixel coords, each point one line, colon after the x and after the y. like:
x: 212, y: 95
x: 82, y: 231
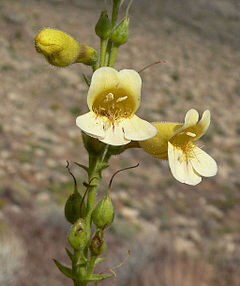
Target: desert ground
x: 179, y: 235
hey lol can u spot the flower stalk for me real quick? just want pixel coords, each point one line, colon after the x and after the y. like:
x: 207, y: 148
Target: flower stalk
x: 108, y: 129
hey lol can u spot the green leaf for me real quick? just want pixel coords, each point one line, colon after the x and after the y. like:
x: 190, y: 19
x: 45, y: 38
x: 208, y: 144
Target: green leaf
x: 100, y: 259
x: 69, y: 253
x: 65, y: 270
x: 102, y: 166
x: 96, y: 277
x: 81, y: 166
x: 86, y: 79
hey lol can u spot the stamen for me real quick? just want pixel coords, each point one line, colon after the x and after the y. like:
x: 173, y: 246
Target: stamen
x: 113, y: 105
x: 109, y: 97
x: 191, y: 134
x: 120, y: 99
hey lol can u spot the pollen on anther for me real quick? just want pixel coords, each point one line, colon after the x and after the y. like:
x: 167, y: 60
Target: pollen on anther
x: 109, y: 97
x: 120, y: 99
x: 191, y: 134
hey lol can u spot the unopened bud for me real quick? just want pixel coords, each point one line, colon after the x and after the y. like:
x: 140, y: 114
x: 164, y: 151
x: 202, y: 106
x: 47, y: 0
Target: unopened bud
x: 103, y: 213
x: 59, y: 48
x: 103, y: 27
x: 120, y: 33
x: 97, y: 244
x: 72, y: 207
x: 77, y: 236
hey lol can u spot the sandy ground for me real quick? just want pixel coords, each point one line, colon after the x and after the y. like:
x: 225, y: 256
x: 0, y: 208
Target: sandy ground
x: 39, y: 103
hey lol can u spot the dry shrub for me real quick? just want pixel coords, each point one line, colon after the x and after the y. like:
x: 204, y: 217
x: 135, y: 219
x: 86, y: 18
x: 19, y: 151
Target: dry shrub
x: 172, y: 269
x: 12, y: 258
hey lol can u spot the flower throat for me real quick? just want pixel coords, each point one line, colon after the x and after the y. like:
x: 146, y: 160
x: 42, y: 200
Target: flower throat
x: 114, y: 105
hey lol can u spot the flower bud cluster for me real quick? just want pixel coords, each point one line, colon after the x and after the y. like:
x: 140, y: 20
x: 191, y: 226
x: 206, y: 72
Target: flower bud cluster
x: 118, y: 34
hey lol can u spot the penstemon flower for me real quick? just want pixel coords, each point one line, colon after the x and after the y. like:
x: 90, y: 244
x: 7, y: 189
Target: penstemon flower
x: 174, y: 141
x: 113, y: 99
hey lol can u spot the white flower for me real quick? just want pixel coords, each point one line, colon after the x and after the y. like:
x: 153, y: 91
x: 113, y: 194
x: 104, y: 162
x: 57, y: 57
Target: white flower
x: 113, y: 98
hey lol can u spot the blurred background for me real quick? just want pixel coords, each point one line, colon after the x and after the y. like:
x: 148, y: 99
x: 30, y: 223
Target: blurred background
x: 178, y: 234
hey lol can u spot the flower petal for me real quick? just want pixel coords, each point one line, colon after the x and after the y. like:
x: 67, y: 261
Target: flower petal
x: 131, y: 82
x: 138, y: 129
x: 91, y: 124
x: 203, y: 124
x: 103, y: 79
x: 204, y: 164
x: 191, y: 119
x: 181, y: 167
x: 114, y: 135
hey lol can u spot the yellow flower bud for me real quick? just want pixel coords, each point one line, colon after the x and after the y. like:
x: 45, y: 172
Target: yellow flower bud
x: 59, y: 48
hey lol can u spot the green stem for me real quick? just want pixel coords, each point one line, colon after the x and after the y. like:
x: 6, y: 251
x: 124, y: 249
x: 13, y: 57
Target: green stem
x: 77, y: 271
x: 113, y: 55
x: 108, y: 52
x: 93, y: 172
x: 91, y: 265
x: 102, y: 52
x: 95, y: 67
x: 115, y: 10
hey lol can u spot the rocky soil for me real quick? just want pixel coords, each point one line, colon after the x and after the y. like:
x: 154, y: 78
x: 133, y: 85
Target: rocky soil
x: 176, y: 232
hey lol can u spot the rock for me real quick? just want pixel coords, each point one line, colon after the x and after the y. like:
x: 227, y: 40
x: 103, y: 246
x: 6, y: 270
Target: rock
x: 43, y: 197
x: 185, y: 246
x: 129, y: 213
x: 15, y: 209
x: 194, y: 235
x: 183, y: 222
x: 14, y: 18
x: 213, y: 211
